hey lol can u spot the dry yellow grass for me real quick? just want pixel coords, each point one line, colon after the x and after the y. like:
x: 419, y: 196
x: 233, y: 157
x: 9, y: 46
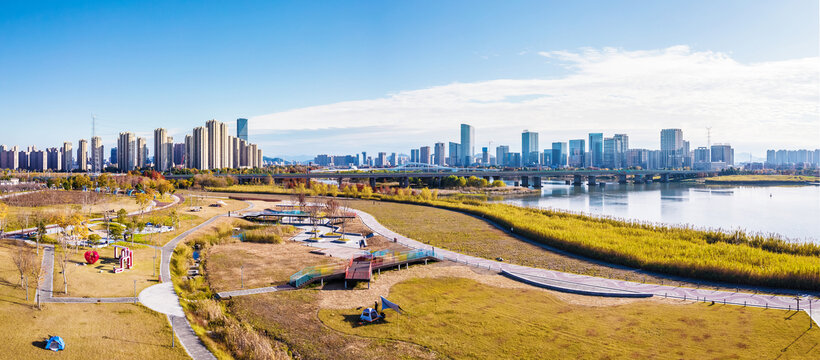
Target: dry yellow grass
x: 116, y: 331
x: 99, y: 279
x: 460, y: 318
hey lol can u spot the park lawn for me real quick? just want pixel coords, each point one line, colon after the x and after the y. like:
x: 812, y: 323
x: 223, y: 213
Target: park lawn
x: 461, y: 318
x: 99, y: 279
x: 24, y: 216
x: 116, y: 331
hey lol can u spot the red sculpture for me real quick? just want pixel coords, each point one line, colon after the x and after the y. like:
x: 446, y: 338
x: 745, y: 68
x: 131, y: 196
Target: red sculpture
x: 91, y: 256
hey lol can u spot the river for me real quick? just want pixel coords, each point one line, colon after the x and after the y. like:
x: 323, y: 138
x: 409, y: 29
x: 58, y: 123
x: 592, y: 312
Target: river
x: 790, y: 211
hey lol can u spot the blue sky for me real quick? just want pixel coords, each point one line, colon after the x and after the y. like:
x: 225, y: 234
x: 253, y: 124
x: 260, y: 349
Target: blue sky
x: 297, y: 68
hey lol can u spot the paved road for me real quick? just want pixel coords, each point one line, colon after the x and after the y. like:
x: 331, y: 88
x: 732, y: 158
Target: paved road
x: 719, y: 296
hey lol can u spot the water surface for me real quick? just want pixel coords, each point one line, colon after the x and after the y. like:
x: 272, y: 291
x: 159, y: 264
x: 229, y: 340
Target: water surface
x: 791, y: 211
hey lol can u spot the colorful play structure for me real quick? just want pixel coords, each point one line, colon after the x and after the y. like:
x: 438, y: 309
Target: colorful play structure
x: 125, y: 257
x: 360, y: 268
x: 55, y: 343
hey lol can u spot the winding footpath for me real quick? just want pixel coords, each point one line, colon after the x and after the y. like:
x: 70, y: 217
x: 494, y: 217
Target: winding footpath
x: 163, y: 298
x: 557, y: 279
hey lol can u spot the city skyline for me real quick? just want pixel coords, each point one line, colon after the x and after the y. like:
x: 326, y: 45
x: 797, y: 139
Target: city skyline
x: 547, y: 69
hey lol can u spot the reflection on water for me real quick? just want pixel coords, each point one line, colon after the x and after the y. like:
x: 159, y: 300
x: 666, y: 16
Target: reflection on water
x: 791, y: 211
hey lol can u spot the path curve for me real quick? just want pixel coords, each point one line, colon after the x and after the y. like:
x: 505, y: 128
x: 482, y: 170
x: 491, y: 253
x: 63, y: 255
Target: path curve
x: 169, y: 301
x: 718, y: 296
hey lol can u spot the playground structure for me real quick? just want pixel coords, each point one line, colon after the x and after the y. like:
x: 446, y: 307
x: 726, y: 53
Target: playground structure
x: 360, y: 268
x: 125, y: 257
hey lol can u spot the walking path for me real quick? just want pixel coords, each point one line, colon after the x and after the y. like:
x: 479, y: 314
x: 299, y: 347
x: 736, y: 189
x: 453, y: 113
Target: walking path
x: 162, y: 298
x: 262, y: 290
x: 555, y: 277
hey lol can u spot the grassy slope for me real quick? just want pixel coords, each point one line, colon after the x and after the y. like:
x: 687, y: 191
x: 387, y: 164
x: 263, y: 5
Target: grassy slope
x: 117, y: 330
x: 463, y: 319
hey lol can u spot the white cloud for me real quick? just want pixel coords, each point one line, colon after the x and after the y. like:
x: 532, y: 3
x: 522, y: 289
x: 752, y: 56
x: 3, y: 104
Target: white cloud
x: 753, y: 106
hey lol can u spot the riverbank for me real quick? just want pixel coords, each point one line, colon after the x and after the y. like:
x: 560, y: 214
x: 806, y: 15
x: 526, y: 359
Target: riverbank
x: 762, y: 180
x: 736, y: 257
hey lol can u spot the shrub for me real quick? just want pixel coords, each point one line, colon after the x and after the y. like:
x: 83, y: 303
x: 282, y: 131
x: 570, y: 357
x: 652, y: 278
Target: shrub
x: 269, y: 234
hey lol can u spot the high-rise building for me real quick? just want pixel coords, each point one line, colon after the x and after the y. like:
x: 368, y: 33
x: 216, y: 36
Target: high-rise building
x: 142, y: 152
x: 197, y: 149
x: 179, y: 154
x: 467, y: 144
x: 381, y: 160
x: 559, y: 154
x: 637, y: 158
x: 415, y: 155
x: 622, y: 143
x: 439, y: 157
x: 596, y: 149
x: 455, y: 154
x: 127, y: 151
x: 242, y: 128
x: 770, y: 158
x: 702, y: 158
x: 162, y: 155
x: 82, y: 155
x: 113, y: 158
x: 217, y: 144
x: 611, y: 158
x: 672, y: 148
x: 38, y: 160
x: 55, y: 162
x: 502, y: 155
x: 424, y: 154
x: 97, y: 154
x: 485, y: 156
x: 577, y: 149
x: 67, y: 156
x: 723, y: 153
x: 529, y: 148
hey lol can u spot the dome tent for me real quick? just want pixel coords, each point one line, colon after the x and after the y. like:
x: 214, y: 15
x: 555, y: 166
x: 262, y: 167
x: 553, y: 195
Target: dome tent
x: 55, y: 343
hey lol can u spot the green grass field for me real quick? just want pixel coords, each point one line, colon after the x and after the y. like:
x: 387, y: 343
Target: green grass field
x: 460, y: 318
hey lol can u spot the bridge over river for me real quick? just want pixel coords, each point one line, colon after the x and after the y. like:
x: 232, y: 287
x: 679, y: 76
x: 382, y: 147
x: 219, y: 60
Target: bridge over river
x: 526, y: 177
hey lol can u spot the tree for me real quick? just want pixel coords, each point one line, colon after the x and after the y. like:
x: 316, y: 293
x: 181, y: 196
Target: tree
x: 35, y: 269
x: 143, y: 199
x: 63, y: 258
x: 41, y: 233
x: 4, y: 212
x: 367, y: 192
x: 121, y: 214
x: 301, y: 199
x: 164, y: 187
x: 22, y: 260
x: 315, y: 213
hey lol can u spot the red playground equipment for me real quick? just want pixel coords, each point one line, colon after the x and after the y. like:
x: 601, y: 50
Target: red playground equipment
x: 125, y: 257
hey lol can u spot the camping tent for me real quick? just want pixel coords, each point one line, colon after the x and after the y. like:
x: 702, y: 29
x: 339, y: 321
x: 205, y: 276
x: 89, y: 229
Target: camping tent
x: 370, y: 315
x: 55, y: 343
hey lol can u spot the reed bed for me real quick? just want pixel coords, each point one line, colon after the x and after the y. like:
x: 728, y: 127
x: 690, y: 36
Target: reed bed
x: 710, y: 255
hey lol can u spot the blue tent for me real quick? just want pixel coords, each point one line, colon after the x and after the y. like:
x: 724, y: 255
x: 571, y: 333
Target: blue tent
x: 55, y: 343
